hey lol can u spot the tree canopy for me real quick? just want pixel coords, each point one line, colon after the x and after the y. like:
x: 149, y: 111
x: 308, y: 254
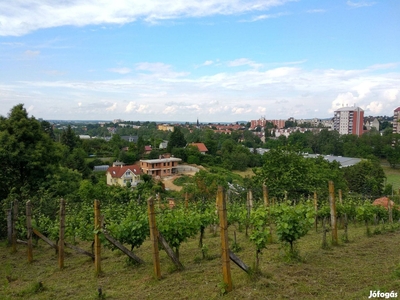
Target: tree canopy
x: 27, y: 152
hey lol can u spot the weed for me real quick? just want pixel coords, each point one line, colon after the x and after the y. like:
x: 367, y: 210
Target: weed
x: 344, y: 238
x: 396, y: 271
x: 236, y: 247
x: 34, y: 288
x: 223, y: 288
x: 204, y: 251
x: 290, y: 254
x: 377, y: 230
x: 131, y: 262
x: 100, y: 294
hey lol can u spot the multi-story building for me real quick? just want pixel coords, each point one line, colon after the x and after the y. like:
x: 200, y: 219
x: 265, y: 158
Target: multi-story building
x: 349, y: 120
x: 396, y: 119
x: 160, y: 167
x: 165, y: 127
x: 262, y: 122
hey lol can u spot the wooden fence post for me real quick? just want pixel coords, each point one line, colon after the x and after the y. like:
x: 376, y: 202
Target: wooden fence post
x: 249, y: 206
x: 223, y: 221
x: 97, y: 245
x: 9, y: 227
x: 154, y: 238
x: 333, y: 213
x: 62, y: 233
x: 29, y: 230
x: 14, y: 229
x: 186, y: 200
x: 390, y: 211
x: 265, y: 195
x: 316, y: 210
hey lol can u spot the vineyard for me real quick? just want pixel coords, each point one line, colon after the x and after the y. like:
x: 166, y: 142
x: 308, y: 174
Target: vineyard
x: 289, y: 249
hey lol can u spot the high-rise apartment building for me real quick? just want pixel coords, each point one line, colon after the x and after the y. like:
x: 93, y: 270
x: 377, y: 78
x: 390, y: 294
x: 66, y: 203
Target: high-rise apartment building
x: 396, y: 118
x: 349, y: 120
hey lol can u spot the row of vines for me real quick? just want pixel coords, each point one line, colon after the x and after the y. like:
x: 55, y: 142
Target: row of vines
x: 285, y: 222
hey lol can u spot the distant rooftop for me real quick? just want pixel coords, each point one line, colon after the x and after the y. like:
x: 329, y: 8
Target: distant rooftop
x: 349, y: 108
x: 344, y: 161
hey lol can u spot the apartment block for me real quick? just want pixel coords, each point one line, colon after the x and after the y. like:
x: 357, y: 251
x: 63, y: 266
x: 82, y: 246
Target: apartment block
x: 396, y: 118
x: 160, y: 167
x: 349, y: 120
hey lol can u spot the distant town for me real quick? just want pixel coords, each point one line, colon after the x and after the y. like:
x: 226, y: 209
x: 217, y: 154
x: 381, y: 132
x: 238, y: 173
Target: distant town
x: 346, y: 120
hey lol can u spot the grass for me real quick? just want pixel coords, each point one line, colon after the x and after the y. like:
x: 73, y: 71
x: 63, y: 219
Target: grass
x: 347, y: 271
x: 392, y: 176
x: 248, y: 173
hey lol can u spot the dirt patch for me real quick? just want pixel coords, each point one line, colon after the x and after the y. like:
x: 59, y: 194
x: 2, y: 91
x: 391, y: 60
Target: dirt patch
x: 169, y: 181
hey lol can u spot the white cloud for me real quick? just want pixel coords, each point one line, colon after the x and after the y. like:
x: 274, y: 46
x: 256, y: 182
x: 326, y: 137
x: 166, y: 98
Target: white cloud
x: 131, y: 106
x: 360, y: 3
x: 375, y: 107
x: 392, y: 94
x: 364, y: 88
x: 153, y: 67
x: 383, y: 66
x: 261, y: 110
x: 20, y: 17
x: 208, y: 63
x: 241, y: 110
x: 247, y: 93
x: 170, y: 110
x: 142, y: 108
x: 31, y: 53
x: 243, y: 62
x: 112, y: 107
x: 120, y: 70
x: 266, y: 16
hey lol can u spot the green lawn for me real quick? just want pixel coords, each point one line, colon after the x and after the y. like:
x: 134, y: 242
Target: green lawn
x: 392, y: 176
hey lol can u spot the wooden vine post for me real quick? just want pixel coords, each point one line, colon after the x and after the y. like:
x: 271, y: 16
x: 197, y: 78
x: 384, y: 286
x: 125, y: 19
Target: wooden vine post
x: 316, y: 210
x: 14, y: 227
x: 223, y: 221
x: 29, y: 232
x: 97, y: 245
x: 186, y: 200
x: 265, y: 195
x: 390, y: 211
x: 154, y: 238
x: 9, y: 227
x: 333, y: 213
x: 62, y: 235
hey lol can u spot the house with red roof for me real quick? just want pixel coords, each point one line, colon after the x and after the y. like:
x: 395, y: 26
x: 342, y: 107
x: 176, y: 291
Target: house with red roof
x: 147, y: 149
x: 121, y: 175
x: 202, y: 148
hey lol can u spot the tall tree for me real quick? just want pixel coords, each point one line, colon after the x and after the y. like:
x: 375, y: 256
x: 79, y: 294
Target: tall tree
x: 27, y: 153
x: 69, y: 139
x: 286, y: 170
x: 176, y: 139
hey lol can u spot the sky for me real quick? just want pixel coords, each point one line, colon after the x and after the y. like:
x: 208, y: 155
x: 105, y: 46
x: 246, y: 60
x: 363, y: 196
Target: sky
x: 211, y: 60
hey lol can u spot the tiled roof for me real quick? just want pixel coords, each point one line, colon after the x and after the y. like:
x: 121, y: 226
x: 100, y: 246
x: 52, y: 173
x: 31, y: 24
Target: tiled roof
x: 200, y: 146
x: 117, y: 172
